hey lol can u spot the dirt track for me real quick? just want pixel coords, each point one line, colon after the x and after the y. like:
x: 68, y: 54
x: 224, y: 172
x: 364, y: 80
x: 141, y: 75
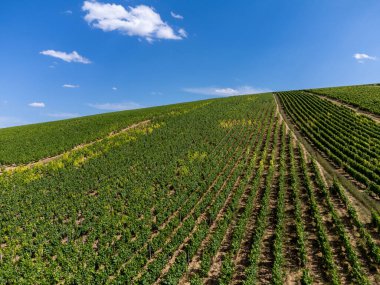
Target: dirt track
x: 357, y: 110
x: 48, y: 159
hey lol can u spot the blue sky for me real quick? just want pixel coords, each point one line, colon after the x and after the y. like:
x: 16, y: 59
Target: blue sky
x: 65, y: 58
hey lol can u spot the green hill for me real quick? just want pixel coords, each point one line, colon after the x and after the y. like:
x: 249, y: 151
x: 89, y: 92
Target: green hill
x: 32, y: 142
x: 278, y: 188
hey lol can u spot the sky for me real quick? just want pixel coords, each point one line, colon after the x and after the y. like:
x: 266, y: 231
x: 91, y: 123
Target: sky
x: 64, y: 58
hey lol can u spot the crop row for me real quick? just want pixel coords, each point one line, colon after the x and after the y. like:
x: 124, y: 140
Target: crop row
x: 337, y: 138
x: 107, y: 218
x: 239, y: 230
x: 217, y: 216
x: 356, y: 267
x: 211, y: 248
x: 261, y: 222
x: 165, y: 242
x: 222, y: 241
x: 366, y: 97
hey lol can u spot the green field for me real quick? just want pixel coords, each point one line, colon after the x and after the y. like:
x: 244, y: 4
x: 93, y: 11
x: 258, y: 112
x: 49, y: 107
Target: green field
x: 350, y: 140
x: 366, y: 97
x: 32, y: 142
x: 222, y: 191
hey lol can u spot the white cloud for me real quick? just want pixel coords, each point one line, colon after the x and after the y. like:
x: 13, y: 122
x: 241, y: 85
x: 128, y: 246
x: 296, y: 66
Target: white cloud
x: 68, y: 12
x: 70, y: 86
x: 68, y: 57
x: 37, y: 104
x: 226, y: 91
x: 63, y: 115
x: 116, y: 106
x: 176, y: 16
x: 114, y: 88
x: 361, y: 57
x: 141, y: 21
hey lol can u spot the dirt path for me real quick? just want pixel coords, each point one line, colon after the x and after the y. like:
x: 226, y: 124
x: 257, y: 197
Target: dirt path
x: 357, y: 110
x: 48, y: 159
x: 359, y: 203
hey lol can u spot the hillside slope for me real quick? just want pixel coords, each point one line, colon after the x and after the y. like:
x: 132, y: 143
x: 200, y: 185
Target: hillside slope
x: 220, y: 191
x: 29, y: 143
x: 366, y: 97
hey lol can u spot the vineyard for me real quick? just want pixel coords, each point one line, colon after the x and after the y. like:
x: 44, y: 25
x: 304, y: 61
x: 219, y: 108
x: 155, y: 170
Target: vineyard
x: 349, y: 140
x: 212, y: 192
x: 366, y: 97
x: 24, y: 144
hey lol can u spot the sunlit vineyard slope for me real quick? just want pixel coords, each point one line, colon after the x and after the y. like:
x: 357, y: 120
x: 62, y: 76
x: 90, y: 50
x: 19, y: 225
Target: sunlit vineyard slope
x: 220, y: 191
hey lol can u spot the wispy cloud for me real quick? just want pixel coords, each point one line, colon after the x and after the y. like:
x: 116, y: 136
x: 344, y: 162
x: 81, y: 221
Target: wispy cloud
x: 6, y: 121
x: 141, y: 21
x: 114, y: 88
x: 53, y: 65
x: 183, y: 33
x: 68, y: 12
x: 225, y: 91
x: 116, y: 106
x: 362, y: 57
x: 70, y: 86
x: 68, y: 57
x: 37, y: 104
x: 176, y: 16
x: 63, y: 115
